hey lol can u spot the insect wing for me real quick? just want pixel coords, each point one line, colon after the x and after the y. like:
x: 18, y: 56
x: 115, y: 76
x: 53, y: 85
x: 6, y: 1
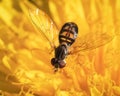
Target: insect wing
x: 91, y: 41
x: 45, y: 25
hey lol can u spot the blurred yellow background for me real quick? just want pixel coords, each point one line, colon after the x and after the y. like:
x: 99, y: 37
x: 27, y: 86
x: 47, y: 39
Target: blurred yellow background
x: 89, y: 73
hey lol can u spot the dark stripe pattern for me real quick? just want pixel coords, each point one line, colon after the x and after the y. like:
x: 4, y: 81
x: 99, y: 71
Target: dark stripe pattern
x: 70, y: 29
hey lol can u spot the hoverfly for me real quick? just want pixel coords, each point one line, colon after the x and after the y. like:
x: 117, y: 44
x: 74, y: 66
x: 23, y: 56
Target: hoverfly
x: 66, y: 36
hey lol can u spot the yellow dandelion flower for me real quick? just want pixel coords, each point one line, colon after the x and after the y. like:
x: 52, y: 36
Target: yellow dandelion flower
x: 92, y: 66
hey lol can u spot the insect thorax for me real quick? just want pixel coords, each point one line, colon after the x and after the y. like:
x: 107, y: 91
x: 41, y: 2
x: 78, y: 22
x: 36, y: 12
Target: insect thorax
x: 61, y: 52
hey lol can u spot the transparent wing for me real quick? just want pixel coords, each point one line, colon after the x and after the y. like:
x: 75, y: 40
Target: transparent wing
x: 91, y: 41
x: 45, y: 25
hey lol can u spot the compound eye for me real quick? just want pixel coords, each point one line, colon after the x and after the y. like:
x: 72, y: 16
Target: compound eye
x: 53, y: 61
x: 62, y: 64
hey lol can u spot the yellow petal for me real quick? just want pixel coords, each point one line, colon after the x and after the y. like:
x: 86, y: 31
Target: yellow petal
x: 95, y: 92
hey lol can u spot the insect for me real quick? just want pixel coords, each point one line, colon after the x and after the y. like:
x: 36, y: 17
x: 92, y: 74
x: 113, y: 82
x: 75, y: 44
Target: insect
x: 67, y: 37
